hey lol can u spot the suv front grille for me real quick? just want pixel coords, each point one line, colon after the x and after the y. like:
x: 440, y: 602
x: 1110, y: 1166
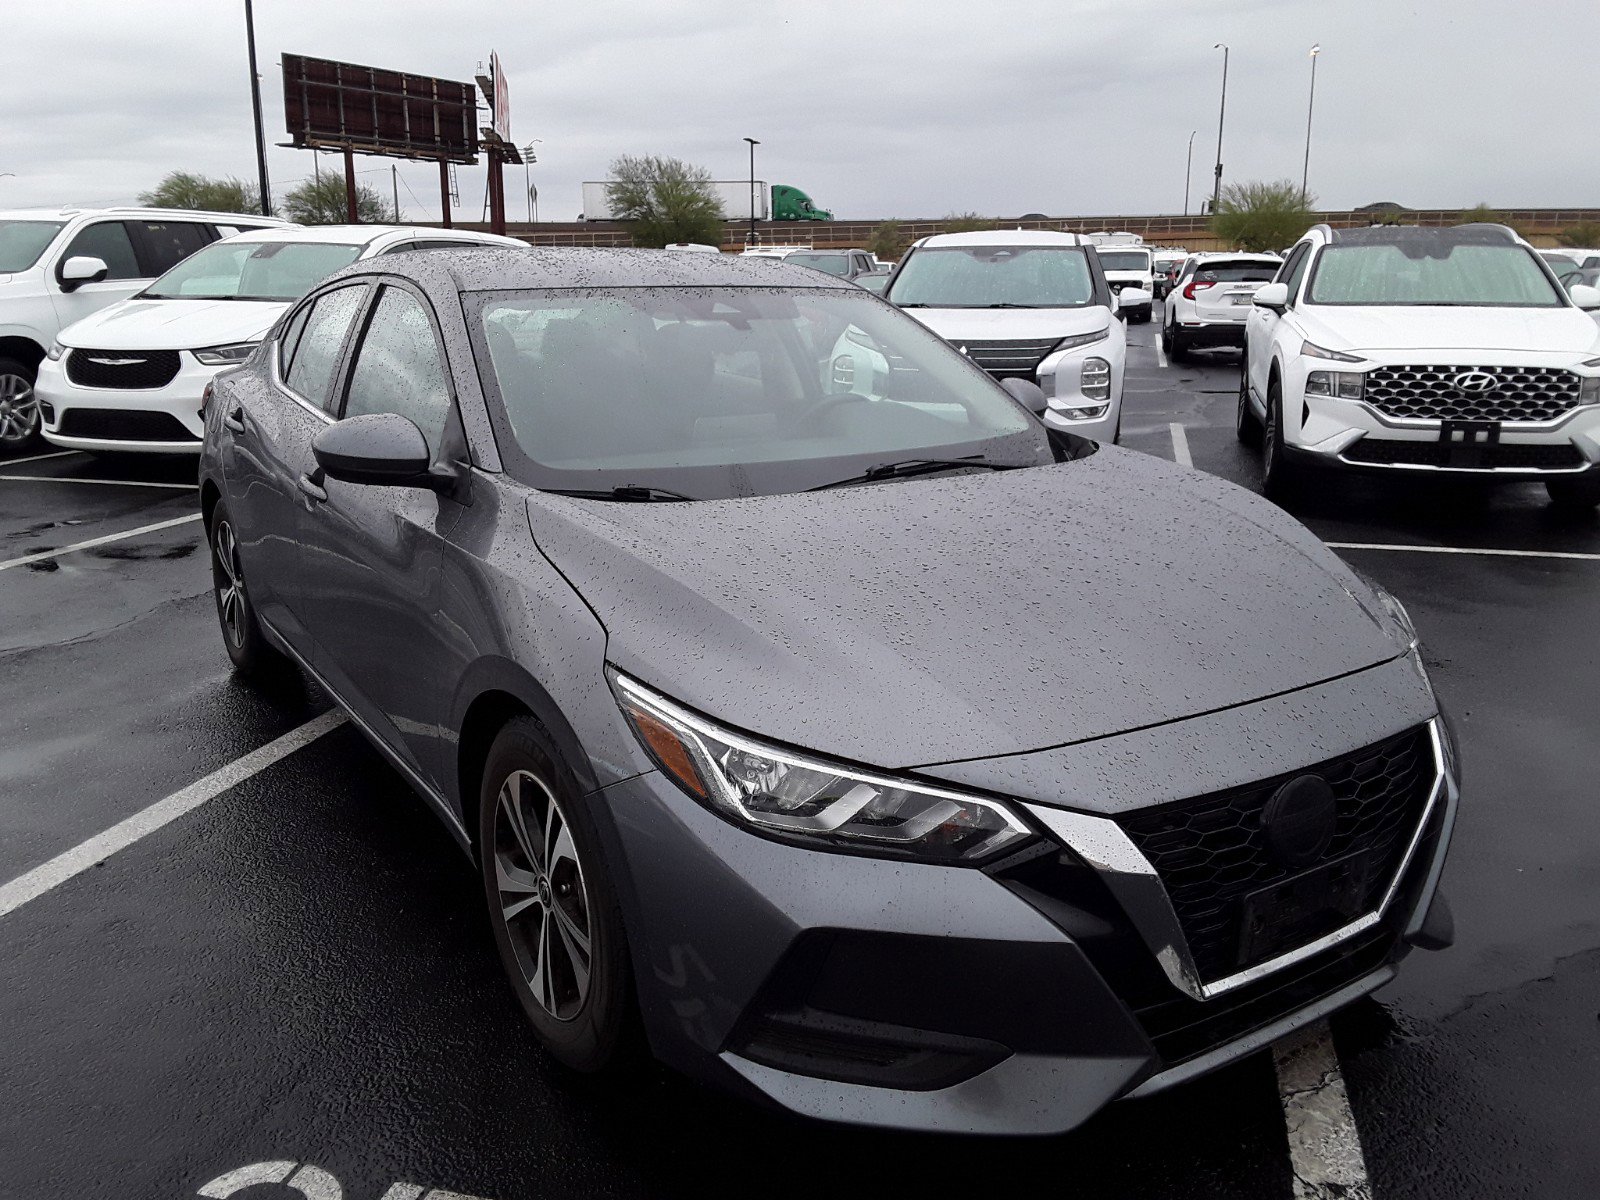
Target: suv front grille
x: 137, y: 370
x: 1421, y: 393
x: 1497, y: 456
x: 118, y: 425
x: 1211, y: 852
x: 1008, y: 359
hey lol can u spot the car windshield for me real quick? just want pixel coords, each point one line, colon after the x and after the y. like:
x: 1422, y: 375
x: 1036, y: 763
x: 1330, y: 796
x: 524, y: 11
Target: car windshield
x: 1432, y: 272
x: 1235, y: 272
x: 725, y: 392
x: 1125, y: 260
x: 22, y: 242
x: 252, y: 271
x: 995, y: 277
x: 830, y: 264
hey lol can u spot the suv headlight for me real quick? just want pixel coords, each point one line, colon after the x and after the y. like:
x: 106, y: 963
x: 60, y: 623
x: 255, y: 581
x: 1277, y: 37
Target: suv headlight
x: 1346, y: 385
x: 56, y: 351
x: 225, y: 356
x: 1082, y: 339
x: 815, y: 803
x: 1312, y: 350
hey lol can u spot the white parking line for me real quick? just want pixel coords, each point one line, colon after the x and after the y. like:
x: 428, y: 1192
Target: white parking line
x: 125, y: 833
x: 1324, y: 1145
x: 16, y: 462
x: 1568, y: 554
x: 1161, y: 355
x: 41, y: 555
x: 1180, y: 445
x: 187, y: 487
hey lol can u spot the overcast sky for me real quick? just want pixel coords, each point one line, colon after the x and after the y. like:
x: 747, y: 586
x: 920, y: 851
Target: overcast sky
x: 876, y: 108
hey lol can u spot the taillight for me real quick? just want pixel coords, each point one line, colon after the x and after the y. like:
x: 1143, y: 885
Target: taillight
x: 1188, y: 292
x: 205, y: 400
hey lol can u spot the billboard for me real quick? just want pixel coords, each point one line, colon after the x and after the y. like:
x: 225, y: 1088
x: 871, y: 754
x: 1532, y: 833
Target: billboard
x: 334, y: 105
x: 502, y: 98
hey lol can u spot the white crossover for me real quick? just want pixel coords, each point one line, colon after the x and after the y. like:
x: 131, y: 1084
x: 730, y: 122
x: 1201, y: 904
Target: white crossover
x: 1025, y: 304
x: 1433, y: 351
x: 130, y: 378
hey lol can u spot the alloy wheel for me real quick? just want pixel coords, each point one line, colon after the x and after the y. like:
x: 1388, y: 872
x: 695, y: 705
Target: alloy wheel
x: 19, y: 410
x: 230, y: 586
x: 543, y: 901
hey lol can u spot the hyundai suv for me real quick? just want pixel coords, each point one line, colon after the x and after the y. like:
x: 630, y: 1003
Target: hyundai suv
x: 58, y: 266
x: 1441, y: 351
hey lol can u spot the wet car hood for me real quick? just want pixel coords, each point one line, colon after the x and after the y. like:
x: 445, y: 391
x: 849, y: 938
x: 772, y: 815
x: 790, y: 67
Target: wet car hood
x: 1011, y: 324
x: 1420, y: 328
x: 174, y: 324
x: 957, y: 617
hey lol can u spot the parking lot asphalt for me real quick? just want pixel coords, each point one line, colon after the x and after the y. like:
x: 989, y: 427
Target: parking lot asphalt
x: 295, y: 976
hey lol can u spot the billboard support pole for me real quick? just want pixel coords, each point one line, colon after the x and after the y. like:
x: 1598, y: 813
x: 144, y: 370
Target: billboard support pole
x: 444, y: 192
x: 350, y: 187
x: 255, y: 104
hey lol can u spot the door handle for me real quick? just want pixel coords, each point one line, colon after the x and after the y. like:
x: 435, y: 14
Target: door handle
x: 234, y: 418
x: 311, y: 485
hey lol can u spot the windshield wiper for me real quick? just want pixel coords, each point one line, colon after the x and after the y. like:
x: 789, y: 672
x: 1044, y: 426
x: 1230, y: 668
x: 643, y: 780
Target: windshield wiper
x: 1009, y: 304
x: 914, y: 466
x: 634, y: 493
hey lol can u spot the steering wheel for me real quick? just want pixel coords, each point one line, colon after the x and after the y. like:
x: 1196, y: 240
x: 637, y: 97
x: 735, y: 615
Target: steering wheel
x: 826, y: 404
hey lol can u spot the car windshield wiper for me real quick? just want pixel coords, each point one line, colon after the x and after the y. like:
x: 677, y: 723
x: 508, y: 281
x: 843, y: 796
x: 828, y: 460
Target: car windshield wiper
x: 914, y: 466
x: 1010, y: 304
x: 634, y: 493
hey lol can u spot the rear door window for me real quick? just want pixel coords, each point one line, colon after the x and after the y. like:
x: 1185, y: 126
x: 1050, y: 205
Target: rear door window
x: 109, y: 242
x: 316, y: 354
x: 168, y: 243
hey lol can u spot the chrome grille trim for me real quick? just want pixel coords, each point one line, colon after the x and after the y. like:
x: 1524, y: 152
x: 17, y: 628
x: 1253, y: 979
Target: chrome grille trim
x: 1413, y: 392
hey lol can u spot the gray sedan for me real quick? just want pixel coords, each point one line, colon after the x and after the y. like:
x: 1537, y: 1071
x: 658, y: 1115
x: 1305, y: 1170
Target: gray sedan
x: 814, y: 716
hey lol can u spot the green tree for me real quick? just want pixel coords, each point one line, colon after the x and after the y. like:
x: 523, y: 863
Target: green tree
x: 322, y: 202
x: 185, y: 189
x: 664, y: 200
x: 967, y: 222
x: 1584, y: 233
x: 1480, y: 213
x: 888, y: 241
x: 1262, y: 215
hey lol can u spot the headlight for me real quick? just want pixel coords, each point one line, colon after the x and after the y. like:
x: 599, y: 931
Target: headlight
x: 1398, y: 612
x: 806, y: 800
x: 1346, y: 385
x: 1082, y: 339
x: 56, y: 351
x: 225, y: 356
x: 1589, y: 391
x: 1096, y: 379
x: 1312, y: 350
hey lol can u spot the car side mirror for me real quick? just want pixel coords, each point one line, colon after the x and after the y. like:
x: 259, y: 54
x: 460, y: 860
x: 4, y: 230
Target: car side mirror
x: 378, y: 448
x: 1585, y: 296
x: 81, y: 269
x: 1273, y: 295
x: 1028, y: 394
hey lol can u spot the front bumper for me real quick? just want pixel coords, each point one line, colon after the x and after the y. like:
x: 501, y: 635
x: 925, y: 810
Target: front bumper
x: 164, y: 420
x: 1019, y: 999
x: 1060, y: 376
x: 1355, y: 435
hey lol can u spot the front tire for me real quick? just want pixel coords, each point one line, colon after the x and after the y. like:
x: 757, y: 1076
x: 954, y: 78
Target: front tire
x: 1575, y: 495
x: 246, y: 645
x: 557, y: 921
x: 1246, y: 425
x: 19, y: 407
x: 1280, y: 477
x: 1142, y: 316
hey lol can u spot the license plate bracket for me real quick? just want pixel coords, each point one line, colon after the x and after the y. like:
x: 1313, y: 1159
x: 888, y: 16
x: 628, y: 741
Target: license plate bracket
x: 1467, y: 442
x: 1300, y: 909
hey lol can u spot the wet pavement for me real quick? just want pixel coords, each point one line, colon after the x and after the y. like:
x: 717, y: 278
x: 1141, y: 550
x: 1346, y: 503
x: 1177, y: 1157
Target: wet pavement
x: 298, y: 972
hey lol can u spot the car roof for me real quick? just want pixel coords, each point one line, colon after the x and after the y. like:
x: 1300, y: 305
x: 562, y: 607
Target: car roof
x: 1006, y: 237
x: 1475, y: 234
x: 365, y: 235
x: 192, y: 214
x: 494, y: 268
x: 1246, y: 255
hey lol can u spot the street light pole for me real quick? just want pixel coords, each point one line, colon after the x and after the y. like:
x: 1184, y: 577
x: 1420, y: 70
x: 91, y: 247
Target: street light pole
x: 255, y: 101
x: 1222, y: 112
x: 1188, y: 166
x: 753, y: 144
x: 528, y: 159
x: 1305, y: 170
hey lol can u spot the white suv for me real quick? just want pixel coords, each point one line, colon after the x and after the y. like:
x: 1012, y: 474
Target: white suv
x: 1207, y: 305
x: 1450, y: 351
x: 131, y: 377
x: 58, y: 266
x: 1025, y: 304
x: 1132, y: 269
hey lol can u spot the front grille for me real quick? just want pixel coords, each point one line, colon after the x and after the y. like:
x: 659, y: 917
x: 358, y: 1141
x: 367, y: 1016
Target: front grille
x: 1496, y: 456
x: 1009, y: 359
x: 116, y: 425
x: 1429, y: 393
x: 1211, y: 852
x: 136, y: 370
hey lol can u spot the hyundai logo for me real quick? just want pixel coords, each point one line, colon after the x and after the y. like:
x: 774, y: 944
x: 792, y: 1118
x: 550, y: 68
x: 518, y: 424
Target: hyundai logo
x: 1298, y: 821
x: 1474, y: 383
